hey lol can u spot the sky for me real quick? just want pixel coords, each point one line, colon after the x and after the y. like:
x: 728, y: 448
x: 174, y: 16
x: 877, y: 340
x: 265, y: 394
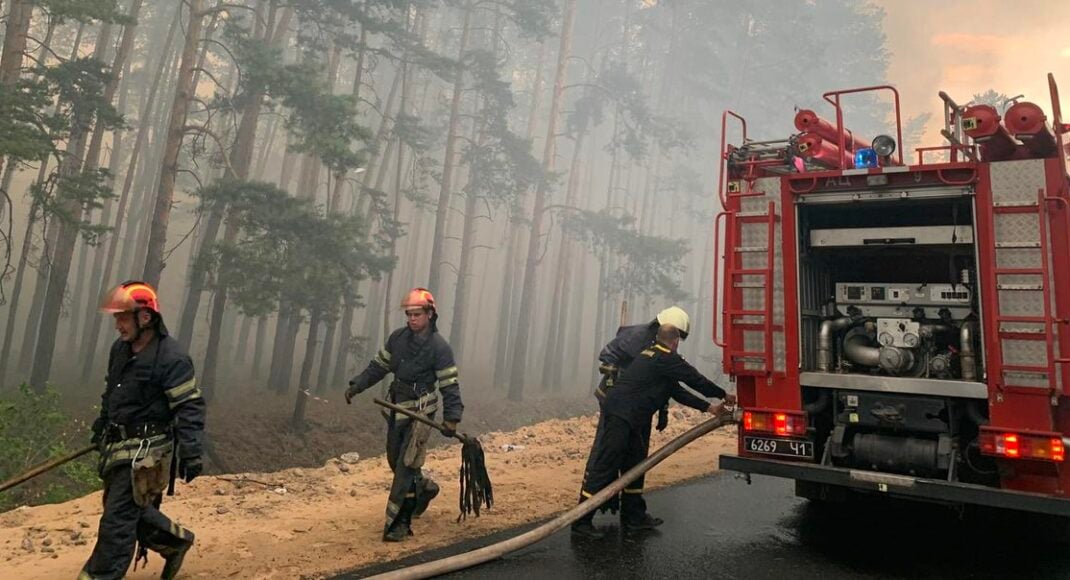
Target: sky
x: 964, y: 47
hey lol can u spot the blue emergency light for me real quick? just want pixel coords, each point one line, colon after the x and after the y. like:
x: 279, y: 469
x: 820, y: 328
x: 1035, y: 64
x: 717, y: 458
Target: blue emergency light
x: 866, y: 158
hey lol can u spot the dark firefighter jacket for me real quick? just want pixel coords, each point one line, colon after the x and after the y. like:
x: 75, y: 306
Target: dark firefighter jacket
x: 150, y: 397
x: 421, y: 365
x: 650, y: 380
x: 619, y: 352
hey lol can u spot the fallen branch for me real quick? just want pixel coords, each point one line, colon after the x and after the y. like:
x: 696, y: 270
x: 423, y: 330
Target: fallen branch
x: 248, y: 480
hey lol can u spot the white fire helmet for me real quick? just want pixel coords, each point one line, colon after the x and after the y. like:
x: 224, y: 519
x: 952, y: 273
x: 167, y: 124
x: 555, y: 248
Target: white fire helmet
x: 676, y: 316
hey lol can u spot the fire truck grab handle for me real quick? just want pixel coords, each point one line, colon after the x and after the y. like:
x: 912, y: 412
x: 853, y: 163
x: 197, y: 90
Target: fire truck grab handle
x: 956, y: 182
x: 1066, y: 209
x: 716, y: 266
x: 723, y: 176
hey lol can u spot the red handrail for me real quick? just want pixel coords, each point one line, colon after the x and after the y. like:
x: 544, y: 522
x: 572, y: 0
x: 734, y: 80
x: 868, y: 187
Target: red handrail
x: 716, y: 259
x: 724, y: 154
x: 839, y: 116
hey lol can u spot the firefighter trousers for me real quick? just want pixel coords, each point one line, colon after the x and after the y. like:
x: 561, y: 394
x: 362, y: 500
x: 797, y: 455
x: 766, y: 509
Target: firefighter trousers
x: 618, y: 448
x: 635, y: 488
x: 124, y: 524
x: 409, y: 483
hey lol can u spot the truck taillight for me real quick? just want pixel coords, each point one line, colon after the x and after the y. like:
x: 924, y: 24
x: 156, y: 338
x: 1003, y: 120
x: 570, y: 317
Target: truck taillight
x: 776, y: 422
x: 1043, y: 446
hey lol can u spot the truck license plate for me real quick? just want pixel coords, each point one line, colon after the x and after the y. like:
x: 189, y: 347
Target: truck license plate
x: 783, y: 447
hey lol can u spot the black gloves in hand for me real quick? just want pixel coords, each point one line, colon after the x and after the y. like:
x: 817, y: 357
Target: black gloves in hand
x: 351, y: 392
x: 451, y: 428
x: 663, y: 419
x: 190, y: 467
x: 98, y: 431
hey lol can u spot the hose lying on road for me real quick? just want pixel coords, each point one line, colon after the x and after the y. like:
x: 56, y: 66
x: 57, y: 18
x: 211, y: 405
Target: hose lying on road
x: 495, y: 551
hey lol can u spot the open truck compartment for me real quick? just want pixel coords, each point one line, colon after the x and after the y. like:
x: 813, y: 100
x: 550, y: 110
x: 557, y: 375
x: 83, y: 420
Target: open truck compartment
x: 893, y: 326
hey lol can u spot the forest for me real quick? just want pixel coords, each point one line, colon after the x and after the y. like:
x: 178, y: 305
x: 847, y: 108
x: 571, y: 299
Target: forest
x: 284, y: 170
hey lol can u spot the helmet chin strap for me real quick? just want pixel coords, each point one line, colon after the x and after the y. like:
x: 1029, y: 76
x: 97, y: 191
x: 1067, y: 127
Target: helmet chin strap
x: 138, y: 329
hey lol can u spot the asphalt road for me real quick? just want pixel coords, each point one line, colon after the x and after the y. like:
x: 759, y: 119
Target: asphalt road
x: 720, y: 527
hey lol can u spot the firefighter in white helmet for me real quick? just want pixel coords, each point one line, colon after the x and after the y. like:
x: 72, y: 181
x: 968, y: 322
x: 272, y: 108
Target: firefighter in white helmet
x: 616, y: 356
x: 644, y: 387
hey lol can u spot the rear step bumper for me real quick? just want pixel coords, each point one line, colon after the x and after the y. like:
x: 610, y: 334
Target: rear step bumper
x: 900, y: 485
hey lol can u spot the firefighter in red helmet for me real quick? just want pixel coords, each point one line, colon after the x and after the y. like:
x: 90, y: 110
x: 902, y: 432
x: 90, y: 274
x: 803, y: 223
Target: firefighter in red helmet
x: 149, y: 431
x: 425, y: 378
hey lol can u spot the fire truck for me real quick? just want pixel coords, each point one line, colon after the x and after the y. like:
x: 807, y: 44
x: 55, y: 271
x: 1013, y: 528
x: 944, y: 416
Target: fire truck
x: 899, y: 325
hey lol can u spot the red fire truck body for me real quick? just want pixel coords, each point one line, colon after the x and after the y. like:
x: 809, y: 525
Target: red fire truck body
x: 901, y: 328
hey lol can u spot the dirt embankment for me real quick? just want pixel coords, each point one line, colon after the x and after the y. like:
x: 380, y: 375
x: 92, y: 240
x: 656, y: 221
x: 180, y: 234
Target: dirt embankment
x: 254, y: 433
x: 310, y: 522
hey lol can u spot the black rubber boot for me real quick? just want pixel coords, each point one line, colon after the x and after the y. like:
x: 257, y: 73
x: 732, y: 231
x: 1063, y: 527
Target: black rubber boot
x: 586, y: 529
x: 429, y: 493
x: 399, y: 532
x: 173, y: 561
x: 647, y: 522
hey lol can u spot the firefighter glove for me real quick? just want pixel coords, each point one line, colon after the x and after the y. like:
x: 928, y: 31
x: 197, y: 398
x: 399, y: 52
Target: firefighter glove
x: 98, y: 431
x: 450, y: 428
x: 190, y: 468
x: 351, y: 392
x: 663, y: 418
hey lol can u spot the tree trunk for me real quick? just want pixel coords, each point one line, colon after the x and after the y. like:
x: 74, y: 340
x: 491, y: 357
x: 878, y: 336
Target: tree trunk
x: 449, y: 161
x: 12, y: 309
x: 339, y: 376
x: 258, y: 346
x: 520, y: 350
x: 335, y: 201
x: 310, y: 352
x: 371, y: 318
x: 276, y: 382
x: 506, y: 300
x: 92, y: 336
x: 49, y: 237
x: 92, y: 161
x: 176, y: 130
x: 132, y: 259
x: 303, y: 387
x: 464, y: 267
x: 99, y: 251
x: 289, y: 159
x: 18, y: 25
x: 562, y: 279
x: 243, y: 340
x: 572, y: 371
x: 61, y: 263
x: 398, y: 180
x: 389, y: 283
x: 267, y: 150
x: 325, y: 359
x: 29, y: 337
x: 505, y: 311
x: 288, y: 347
x: 240, y: 161
x: 380, y: 149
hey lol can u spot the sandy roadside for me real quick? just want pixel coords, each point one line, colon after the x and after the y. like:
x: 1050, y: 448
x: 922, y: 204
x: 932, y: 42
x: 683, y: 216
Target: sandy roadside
x: 311, y: 522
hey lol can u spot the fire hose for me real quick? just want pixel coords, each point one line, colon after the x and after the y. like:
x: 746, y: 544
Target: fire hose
x: 43, y: 467
x: 495, y: 551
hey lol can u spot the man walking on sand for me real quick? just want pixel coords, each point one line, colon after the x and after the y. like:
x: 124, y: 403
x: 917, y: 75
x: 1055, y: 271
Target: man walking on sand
x: 423, y: 367
x: 150, y: 430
